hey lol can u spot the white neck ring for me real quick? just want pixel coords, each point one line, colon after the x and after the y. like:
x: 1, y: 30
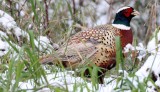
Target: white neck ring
x: 120, y: 26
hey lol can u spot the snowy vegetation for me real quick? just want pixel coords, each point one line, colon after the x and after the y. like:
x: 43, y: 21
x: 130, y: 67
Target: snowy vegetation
x: 30, y: 29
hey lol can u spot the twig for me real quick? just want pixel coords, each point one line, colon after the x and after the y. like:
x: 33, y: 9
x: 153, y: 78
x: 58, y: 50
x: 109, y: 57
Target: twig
x: 10, y: 6
x: 46, y: 20
x: 74, y: 8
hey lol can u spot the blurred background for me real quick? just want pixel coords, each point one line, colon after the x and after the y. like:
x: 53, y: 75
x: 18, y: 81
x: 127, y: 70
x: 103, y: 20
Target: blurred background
x: 35, y: 27
x: 59, y: 19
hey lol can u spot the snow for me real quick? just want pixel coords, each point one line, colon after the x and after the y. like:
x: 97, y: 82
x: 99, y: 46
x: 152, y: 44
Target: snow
x: 150, y: 87
x: 152, y: 46
x: 61, y: 79
x: 158, y: 82
x: 140, y: 48
x: 25, y: 85
x: 8, y: 23
x: 43, y: 43
x: 102, y: 7
x: 89, y: 21
x: 151, y: 64
x: 142, y: 51
x: 2, y: 35
x: 128, y: 47
x: 102, y: 20
x: 3, y: 48
x: 22, y: 13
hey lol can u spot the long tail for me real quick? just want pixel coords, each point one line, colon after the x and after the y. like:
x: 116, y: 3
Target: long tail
x: 52, y: 60
x: 48, y: 59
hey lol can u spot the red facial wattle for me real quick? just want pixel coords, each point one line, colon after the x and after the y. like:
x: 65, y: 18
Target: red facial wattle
x: 128, y: 12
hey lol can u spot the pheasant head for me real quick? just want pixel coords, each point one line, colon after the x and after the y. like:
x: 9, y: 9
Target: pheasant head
x: 123, y: 17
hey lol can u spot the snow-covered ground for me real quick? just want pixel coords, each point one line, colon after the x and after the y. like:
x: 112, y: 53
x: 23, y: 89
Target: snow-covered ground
x: 61, y: 81
x: 8, y: 23
x: 151, y: 65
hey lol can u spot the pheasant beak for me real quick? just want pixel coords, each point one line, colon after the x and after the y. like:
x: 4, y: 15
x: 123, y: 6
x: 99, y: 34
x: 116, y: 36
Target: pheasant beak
x: 135, y: 13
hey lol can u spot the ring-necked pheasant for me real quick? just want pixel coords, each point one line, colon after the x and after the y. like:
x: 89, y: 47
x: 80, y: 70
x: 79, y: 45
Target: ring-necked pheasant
x: 96, y: 44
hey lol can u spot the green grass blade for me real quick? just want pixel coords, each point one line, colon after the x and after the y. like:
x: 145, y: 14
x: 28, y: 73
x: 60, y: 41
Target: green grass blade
x: 118, y: 53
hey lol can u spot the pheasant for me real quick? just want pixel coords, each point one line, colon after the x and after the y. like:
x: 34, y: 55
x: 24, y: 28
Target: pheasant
x: 96, y: 45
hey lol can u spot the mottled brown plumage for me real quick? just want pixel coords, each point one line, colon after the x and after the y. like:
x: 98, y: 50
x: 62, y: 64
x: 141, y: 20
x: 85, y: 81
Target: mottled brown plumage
x: 94, y: 44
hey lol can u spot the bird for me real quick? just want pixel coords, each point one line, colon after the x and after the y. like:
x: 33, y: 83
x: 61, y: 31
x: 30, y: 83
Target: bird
x: 95, y: 46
